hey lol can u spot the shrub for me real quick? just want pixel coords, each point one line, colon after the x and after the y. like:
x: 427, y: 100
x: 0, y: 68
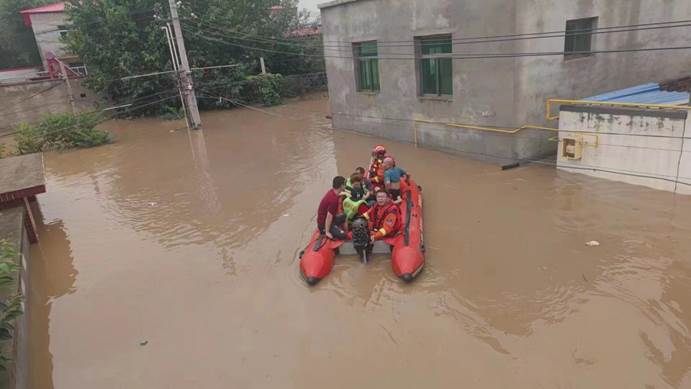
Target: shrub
x: 172, y: 113
x: 10, y: 306
x: 267, y: 87
x: 61, y: 131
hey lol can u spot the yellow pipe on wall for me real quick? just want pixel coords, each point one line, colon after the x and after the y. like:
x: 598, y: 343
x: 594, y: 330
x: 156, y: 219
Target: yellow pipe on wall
x: 548, y: 107
x: 489, y: 128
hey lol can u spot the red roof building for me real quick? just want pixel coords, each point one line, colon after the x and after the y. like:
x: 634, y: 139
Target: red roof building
x: 49, y: 8
x: 49, y: 24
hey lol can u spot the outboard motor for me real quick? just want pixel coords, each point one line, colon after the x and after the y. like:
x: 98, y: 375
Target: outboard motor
x: 361, y: 239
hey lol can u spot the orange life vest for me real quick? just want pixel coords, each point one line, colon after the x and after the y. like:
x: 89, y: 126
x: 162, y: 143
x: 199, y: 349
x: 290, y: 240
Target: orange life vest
x: 384, y: 221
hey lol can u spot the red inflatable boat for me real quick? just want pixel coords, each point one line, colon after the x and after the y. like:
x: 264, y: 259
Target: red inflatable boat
x: 407, y: 248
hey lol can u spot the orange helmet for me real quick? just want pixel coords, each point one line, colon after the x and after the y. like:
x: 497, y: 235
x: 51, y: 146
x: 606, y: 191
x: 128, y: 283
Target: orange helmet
x: 379, y: 149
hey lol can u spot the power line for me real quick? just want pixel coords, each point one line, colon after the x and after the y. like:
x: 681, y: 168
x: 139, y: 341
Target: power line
x: 571, y: 32
x: 459, y: 56
x: 459, y: 41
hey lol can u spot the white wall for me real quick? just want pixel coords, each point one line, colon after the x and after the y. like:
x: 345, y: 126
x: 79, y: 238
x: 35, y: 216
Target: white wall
x: 46, y: 32
x: 624, y: 145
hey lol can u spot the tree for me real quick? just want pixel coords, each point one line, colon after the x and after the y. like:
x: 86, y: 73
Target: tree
x: 120, y: 38
x: 17, y: 43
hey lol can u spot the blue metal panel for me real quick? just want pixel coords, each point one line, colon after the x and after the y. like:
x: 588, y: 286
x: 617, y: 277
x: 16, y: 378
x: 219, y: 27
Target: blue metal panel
x: 649, y: 93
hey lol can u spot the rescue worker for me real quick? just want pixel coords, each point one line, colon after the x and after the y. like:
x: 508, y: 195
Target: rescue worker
x: 392, y: 178
x: 384, y: 217
x: 376, y: 171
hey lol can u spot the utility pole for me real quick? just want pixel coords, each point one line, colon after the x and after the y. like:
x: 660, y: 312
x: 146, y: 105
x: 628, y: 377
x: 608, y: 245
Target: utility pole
x: 176, y: 62
x: 185, y: 74
x: 70, y: 95
x: 261, y: 62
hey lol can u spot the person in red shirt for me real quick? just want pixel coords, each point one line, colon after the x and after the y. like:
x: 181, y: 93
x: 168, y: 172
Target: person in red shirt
x: 384, y: 217
x: 329, y: 215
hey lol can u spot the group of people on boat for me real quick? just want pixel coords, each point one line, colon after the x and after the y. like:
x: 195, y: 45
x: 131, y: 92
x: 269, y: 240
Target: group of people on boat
x: 372, y: 194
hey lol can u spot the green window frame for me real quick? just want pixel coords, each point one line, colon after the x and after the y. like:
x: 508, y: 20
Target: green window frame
x: 366, y: 66
x: 436, y: 65
x: 578, y: 40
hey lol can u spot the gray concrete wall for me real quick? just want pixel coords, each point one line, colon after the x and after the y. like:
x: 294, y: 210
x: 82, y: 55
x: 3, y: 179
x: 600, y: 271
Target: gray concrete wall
x: 543, y: 77
x: 478, y: 90
x: 29, y: 101
x: 506, y: 92
x: 47, y: 34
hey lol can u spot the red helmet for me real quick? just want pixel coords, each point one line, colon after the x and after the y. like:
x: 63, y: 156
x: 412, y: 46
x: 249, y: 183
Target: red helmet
x: 379, y: 149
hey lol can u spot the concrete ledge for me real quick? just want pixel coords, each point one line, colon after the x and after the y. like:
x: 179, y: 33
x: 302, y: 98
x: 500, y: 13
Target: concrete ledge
x: 671, y: 114
x: 334, y: 3
x: 445, y: 99
x: 21, y: 174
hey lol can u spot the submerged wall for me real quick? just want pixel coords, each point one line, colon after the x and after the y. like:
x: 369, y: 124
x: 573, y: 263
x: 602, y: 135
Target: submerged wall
x: 640, y: 147
x: 30, y: 100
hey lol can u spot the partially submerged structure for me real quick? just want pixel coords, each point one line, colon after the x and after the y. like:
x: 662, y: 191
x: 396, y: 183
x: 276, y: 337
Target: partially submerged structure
x: 639, y: 135
x: 21, y: 179
x: 49, y: 24
x: 461, y: 75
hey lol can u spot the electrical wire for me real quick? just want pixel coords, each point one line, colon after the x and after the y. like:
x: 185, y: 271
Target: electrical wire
x: 455, y: 56
x: 456, y: 41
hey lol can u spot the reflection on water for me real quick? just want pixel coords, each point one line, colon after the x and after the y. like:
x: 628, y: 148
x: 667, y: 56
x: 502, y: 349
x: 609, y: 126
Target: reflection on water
x: 49, y: 281
x: 188, y: 241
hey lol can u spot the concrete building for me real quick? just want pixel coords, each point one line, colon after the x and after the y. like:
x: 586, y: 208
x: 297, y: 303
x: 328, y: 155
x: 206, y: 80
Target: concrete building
x: 21, y: 179
x: 405, y: 69
x: 49, y: 24
x: 617, y: 137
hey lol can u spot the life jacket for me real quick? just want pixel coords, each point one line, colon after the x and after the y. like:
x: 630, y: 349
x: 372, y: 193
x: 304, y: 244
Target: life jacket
x: 352, y: 208
x: 376, y: 172
x: 384, y: 221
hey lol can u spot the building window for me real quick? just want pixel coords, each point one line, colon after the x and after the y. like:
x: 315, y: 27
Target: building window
x: 579, y: 37
x: 366, y: 66
x: 436, y: 65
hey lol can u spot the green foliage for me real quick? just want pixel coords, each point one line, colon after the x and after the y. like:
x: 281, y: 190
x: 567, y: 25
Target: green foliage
x: 10, y: 306
x: 172, y: 113
x: 61, y: 131
x: 17, y: 43
x: 3, y: 149
x: 118, y: 38
x: 268, y: 86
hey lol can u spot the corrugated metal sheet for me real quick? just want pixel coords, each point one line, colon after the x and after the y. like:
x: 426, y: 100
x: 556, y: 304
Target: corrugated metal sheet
x: 649, y: 93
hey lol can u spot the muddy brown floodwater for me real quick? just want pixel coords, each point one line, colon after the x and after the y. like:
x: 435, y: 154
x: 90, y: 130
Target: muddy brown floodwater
x: 169, y: 260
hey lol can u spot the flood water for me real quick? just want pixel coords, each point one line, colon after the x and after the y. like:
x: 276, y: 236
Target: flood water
x: 169, y: 260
